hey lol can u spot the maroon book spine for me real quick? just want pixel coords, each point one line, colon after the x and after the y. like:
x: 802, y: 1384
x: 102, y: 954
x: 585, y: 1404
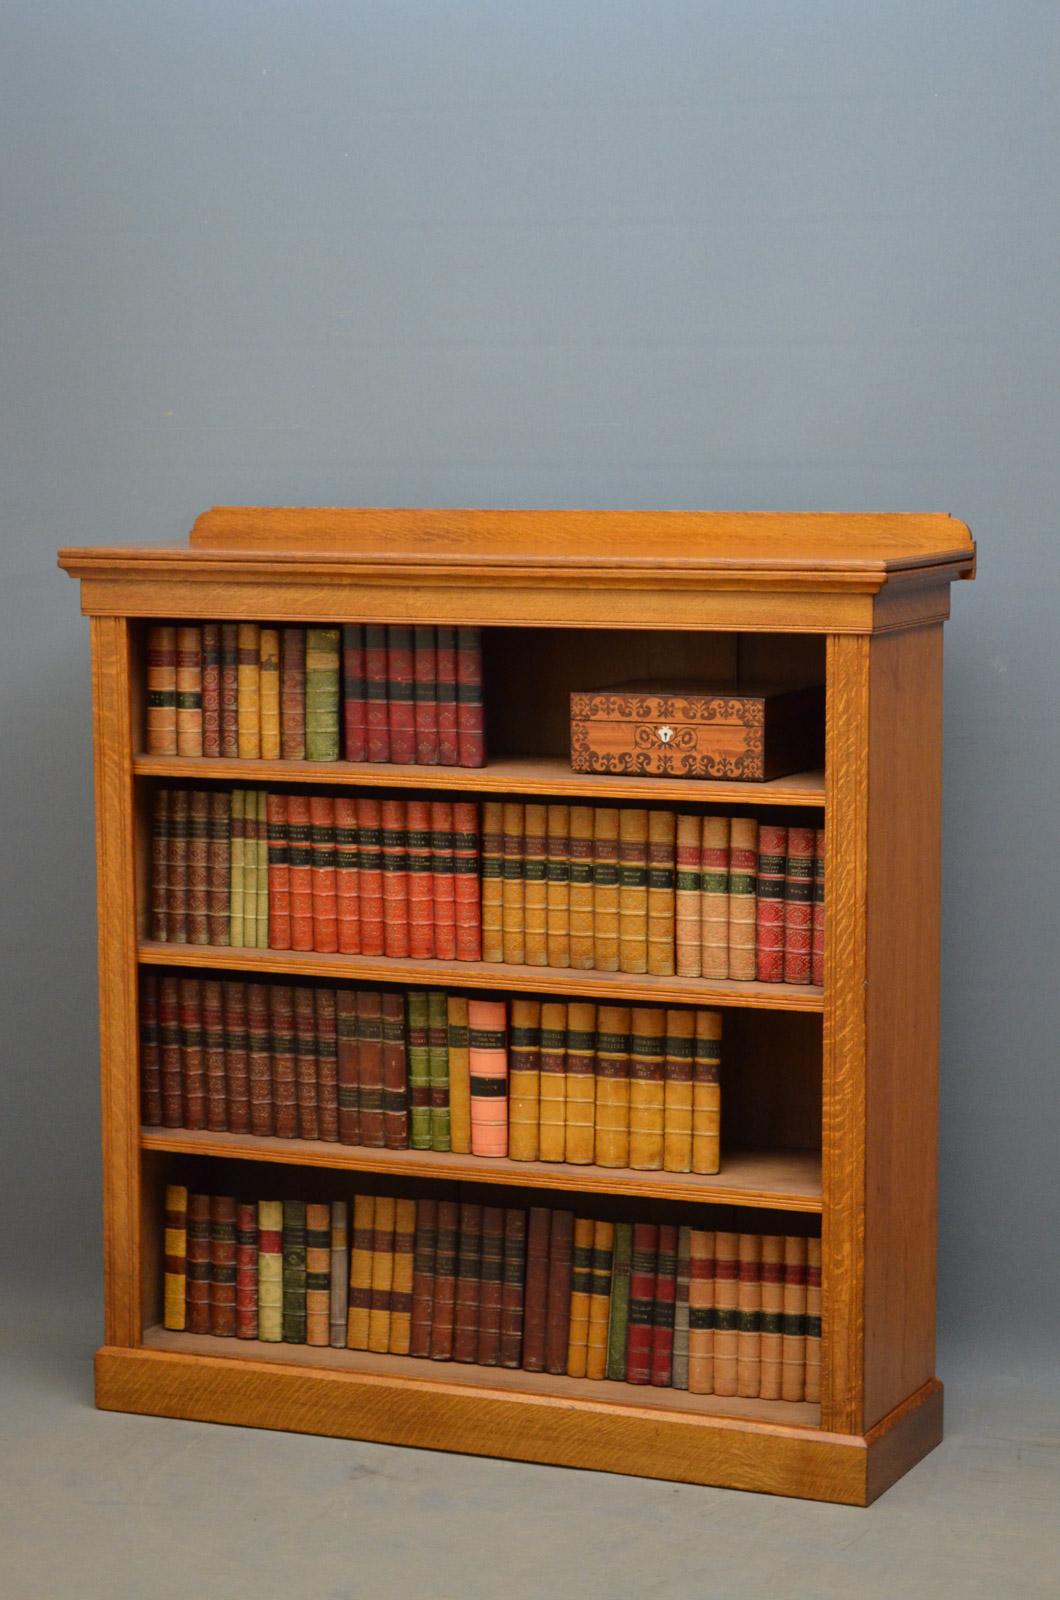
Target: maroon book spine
x: 322, y: 841
x: 259, y: 1059
x: 237, y: 1079
x: 169, y: 1044
x: 471, y: 729
x: 643, y: 1271
x: 401, y: 709
x: 468, y: 1283
x: 443, y: 881
x: 772, y: 858
x: 798, y: 906
x: 213, y: 1049
x: 662, y: 1333
x: 150, y: 1053
x: 160, y: 801
x: 347, y: 897
x: 246, y: 1270
x: 423, y: 1277
x: 292, y: 694
x: 223, y: 1266
x: 425, y: 696
x: 560, y: 1267
x: 394, y: 1073
x: 284, y: 1092
x: 191, y: 1062
x: 177, y: 874
x: 230, y: 690
x: 198, y: 866
x: 395, y: 879
x: 198, y: 1320
x: 370, y: 874
x: 370, y: 1055
x: 444, y: 1308
x: 445, y: 693
x: 354, y: 705
x: 420, y: 880
x: 513, y: 1275
x: 305, y: 1062
x: 211, y: 688
x: 300, y: 871
x: 467, y: 888
x: 279, y: 872
x: 817, y: 943
x: 375, y: 686
x: 219, y: 888
x: 491, y: 1280
x: 347, y: 1065
x: 327, y: 1064
x: 535, y: 1298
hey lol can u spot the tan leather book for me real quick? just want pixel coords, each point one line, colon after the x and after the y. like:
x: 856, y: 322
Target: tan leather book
x: 647, y: 1088
x: 524, y: 1073
x: 633, y: 891
x: 600, y: 1301
x: 382, y: 1274
x: 612, y: 1086
x: 401, y: 1287
x: 813, y: 1320
x: 189, y: 690
x: 581, y: 1285
x: 248, y: 690
x: 535, y: 885
x: 363, y: 1242
x: 270, y: 694
x: 605, y: 889
x: 715, y: 897
x: 662, y: 836
x: 743, y: 878
x: 677, y: 1106
x: 492, y: 869
x: 317, y: 1274
x: 706, y: 1093
x: 161, y: 727
x: 726, y: 1310
x: 552, y: 1084
x: 557, y: 917
x: 701, y: 1313
x: 513, y: 886
x: 793, y: 1320
x: 687, y: 900
x: 771, y: 1317
x: 579, y: 1138
x: 748, y: 1308
x: 581, y: 887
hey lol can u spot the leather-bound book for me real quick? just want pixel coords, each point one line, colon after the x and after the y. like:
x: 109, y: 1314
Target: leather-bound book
x: 633, y: 891
x: 262, y: 845
x: 322, y: 848
x: 662, y: 880
x: 552, y: 1083
x: 169, y: 1048
x: 642, y: 1275
x: 425, y: 696
x: 177, y: 869
x: 395, y: 878
x: 284, y: 1077
x: 743, y: 877
x: 175, y: 1258
x: 248, y: 658
x: 701, y: 1313
x: 714, y: 923
x: 817, y: 934
x: 382, y: 1273
x: 198, y: 1264
x: 487, y: 1023
x: 491, y: 1276
x: 581, y: 887
x: 192, y: 1068
x: 237, y: 1054
x: 468, y: 1287
x: 198, y: 926
x: 445, y: 1261
x: 354, y: 702
x: 618, y: 1311
x: 581, y: 1288
x: 420, y: 880
x: 771, y: 1317
x: 270, y: 1271
x: 457, y: 1048
x: 600, y: 1302
x: 662, y: 1338
x: 349, y: 1097
x: 748, y: 1315
x: 339, y: 1289
x: 401, y: 1289
x: 706, y: 1093
x: 213, y: 1055
x: 292, y: 693
x: 230, y: 690
x: 189, y: 690
x: 798, y: 906
x: 445, y: 689
x: 557, y: 889
x: 423, y: 1258
x: 470, y: 716
x: 535, y: 887
x: 161, y: 691
x: 300, y: 871
x: 512, y: 1282
x: 211, y: 689
x: 772, y: 854
x: 524, y: 1072
x: 327, y: 1063
x: 150, y: 1052
x: 438, y: 1068
x: 560, y: 1263
x: 305, y: 1057
x: 362, y: 1246
x: 294, y: 1272
x: 322, y: 694
x: 370, y: 1056
x: 160, y: 866
x: 440, y: 916
x: 535, y: 1302
x: 270, y: 694
x: 317, y: 1274
x: 492, y: 881
x: 678, y: 1090
x: 218, y: 850
x: 245, y: 864
x: 813, y: 1320
x: 347, y: 898
x: 605, y: 888
x: 279, y: 872
x: 679, y: 1377
x: 793, y: 1320
x: 395, y: 1072
x: 580, y: 1083
x: 467, y: 886
x: 513, y: 886
x: 611, y: 1144
x: 647, y: 1088
x: 419, y: 1071
x: 401, y: 708
x: 726, y: 1311
x: 246, y: 1270
x: 375, y: 690
x: 259, y: 1059
x: 687, y: 907
x: 370, y: 874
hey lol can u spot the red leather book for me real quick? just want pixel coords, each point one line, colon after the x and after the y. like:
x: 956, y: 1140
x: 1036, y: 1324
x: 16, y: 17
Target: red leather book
x: 468, y: 1271
x: 370, y: 874
x: 354, y: 703
x: 512, y: 1279
x: 643, y: 1270
x: 798, y: 906
x: 150, y: 1053
x: 191, y: 1063
x: 471, y: 730
x: 246, y: 1270
x: 370, y: 1055
x: 394, y: 1073
x: 169, y: 1047
x: 420, y: 880
x: 213, y: 1054
x: 348, y: 1067
x: 401, y: 711
x: 466, y: 885
x: 443, y: 880
x: 177, y: 869
x: 426, y: 697
x: 160, y: 800
x: 772, y: 857
x: 198, y: 1320
x: 279, y: 872
x: 284, y: 1086
x: 560, y: 1262
x: 443, y: 1310
x: 535, y: 1300
x: 211, y: 688
x: 423, y: 1277
x: 230, y: 690
x: 375, y: 692
x: 219, y: 886
x: 347, y: 898
x: 300, y: 871
x: 198, y: 866
x: 237, y: 1067
x: 259, y: 1058
x: 223, y: 1266
x: 305, y: 1062
x: 292, y: 694
x: 445, y: 690
x: 322, y: 839
x: 662, y: 1342
x: 327, y: 1064
x: 395, y: 878
x: 817, y: 939
x: 491, y: 1278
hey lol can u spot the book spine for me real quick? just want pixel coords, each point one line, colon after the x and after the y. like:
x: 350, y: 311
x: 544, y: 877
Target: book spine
x: 177, y: 863
x: 748, y: 1309
x: 642, y: 1274
x: 219, y: 887
x: 322, y: 857
x: 662, y: 1335
x: 662, y: 831
x: 370, y: 1056
x: 347, y: 898
x: 150, y: 1053
x: 370, y: 874
x: 401, y: 711
x: 714, y: 924
x: 687, y: 910
x: 198, y: 1264
x: 513, y: 1274
x: 772, y: 853
x: 322, y: 694
x: 359, y: 1300
x: 348, y: 1067
x: 743, y: 874
x: 192, y: 1069
x: 442, y: 917
x: 300, y: 871
x: 793, y: 1321
x: 270, y: 1271
x: 270, y: 694
x: 279, y: 872
x: 211, y: 689
x: 305, y: 1059
x: 457, y: 1049
x: 420, y: 880
x: 492, y: 881
x: 438, y: 1069
x: 237, y: 1057
x: 160, y: 865
x: 701, y: 1313
x: 524, y: 1074
x: 535, y: 1297
x: 552, y: 1082
x: 248, y: 658
x: 189, y: 690
x: 259, y: 1059
x: 618, y: 1310
x: 535, y: 887
x: 633, y: 891
x: 213, y: 1054
x: 680, y: 1361
x: 292, y: 693
x: 726, y: 1311
x: 771, y: 1316
x: 175, y: 1258
x: 581, y: 1290
x: 236, y: 859
x: 560, y: 1265
x: 678, y: 1092
x: 198, y: 925
x: 285, y: 1085
x: 425, y: 696
x: 813, y: 1321
x: 423, y: 1262
x: 600, y: 1303
x: 246, y: 1271
x: 444, y: 1308
x: 419, y: 1071
x: 706, y: 1093
x: 354, y: 701
x: 488, y: 1070
x: 467, y: 884
x: 375, y: 690
x: 580, y: 1084
x: 647, y: 1088
x: 229, y: 690
x: 611, y: 1143
x: 161, y: 691
x: 262, y: 845
x: 169, y: 1045
x: 817, y: 932
x: 581, y: 888
x: 605, y: 889
x: 557, y: 894
x: 395, y: 878
x: 491, y: 1290
x: 445, y: 692
x: 401, y: 1290
x: 470, y: 714
x: 339, y: 1291
x: 395, y: 1073
x: 250, y: 868
x: 317, y: 1274
x: 468, y: 1287
x: 382, y: 1274
x: 798, y: 906
x: 327, y: 1064
x: 513, y: 888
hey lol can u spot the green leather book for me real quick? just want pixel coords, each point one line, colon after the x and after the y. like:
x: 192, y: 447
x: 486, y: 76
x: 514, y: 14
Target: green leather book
x: 294, y: 1246
x: 618, y: 1323
x: 322, y: 694
x: 438, y: 1067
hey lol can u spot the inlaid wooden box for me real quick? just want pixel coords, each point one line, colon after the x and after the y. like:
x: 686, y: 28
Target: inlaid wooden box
x: 693, y: 730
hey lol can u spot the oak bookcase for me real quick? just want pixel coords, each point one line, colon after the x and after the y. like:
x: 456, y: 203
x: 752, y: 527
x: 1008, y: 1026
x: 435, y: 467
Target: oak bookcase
x: 831, y: 1111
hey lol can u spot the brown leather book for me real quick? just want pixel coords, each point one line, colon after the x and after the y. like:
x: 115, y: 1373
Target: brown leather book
x: 247, y: 1271
x: 394, y: 1073
x: 771, y: 1316
x: 292, y: 693
x: 159, y: 907
x: 305, y: 1058
x: 748, y: 1312
x: 581, y: 887
x: 421, y: 882
x: 161, y: 690
x: 513, y: 888
x: 581, y: 1288
x: 362, y: 1241
x: 633, y: 891
x: 813, y: 1320
x: 327, y: 1064
x: 177, y: 868
x: 382, y: 1273
x: 491, y: 1278
x: 198, y: 1263
x: 605, y: 889
x: 701, y: 1313
x: 557, y: 895
x: 189, y: 690
x: 192, y: 1070
x: 317, y: 1274
x: 513, y: 1275
x: 647, y: 1088
x: 348, y: 1085
x: 726, y: 1311
x: 270, y: 694
x: 706, y: 1093
x: 370, y: 1057
x: 798, y: 906
x: 793, y: 1320
x: 580, y: 1083
x: 169, y: 1047
x: 535, y: 1305
x: 151, y: 1053
x: 677, y: 1103
x: 560, y: 1260
x: 259, y: 1059
x: 552, y: 1082
x: 468, y: 1283
x: 198, y: 926
x: 662, y: 835
x: 223, y: 1266
x: 426, y: 1244
x: 445, y: 1262
x: 213, y: 1055
x: 284, y: 1078
x: 237, y: 1059
x: 535, y: 885
x: 211, y: 692
x: 524, y: 1073
x: 338, y: 1295
x: 401, y: 1288
x: 230, y: 690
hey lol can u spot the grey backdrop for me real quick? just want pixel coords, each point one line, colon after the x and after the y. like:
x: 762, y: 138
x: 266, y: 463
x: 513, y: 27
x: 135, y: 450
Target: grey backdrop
x: 584, y: 254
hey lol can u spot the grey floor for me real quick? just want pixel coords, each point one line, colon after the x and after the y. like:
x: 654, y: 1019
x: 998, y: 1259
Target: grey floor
x: 105, y: 1506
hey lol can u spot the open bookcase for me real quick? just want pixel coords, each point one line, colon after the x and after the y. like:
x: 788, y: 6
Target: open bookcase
x: 829, y: 1120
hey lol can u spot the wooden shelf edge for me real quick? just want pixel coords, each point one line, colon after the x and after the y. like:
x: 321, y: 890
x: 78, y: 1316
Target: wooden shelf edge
x: 489, y: 975
x: 761, y: 1180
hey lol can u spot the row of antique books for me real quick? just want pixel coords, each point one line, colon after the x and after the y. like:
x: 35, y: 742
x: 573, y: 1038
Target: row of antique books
x: 614, y: 1086
x: 249, y: 691
x: 538, y: 1289
x: 582, y: 887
